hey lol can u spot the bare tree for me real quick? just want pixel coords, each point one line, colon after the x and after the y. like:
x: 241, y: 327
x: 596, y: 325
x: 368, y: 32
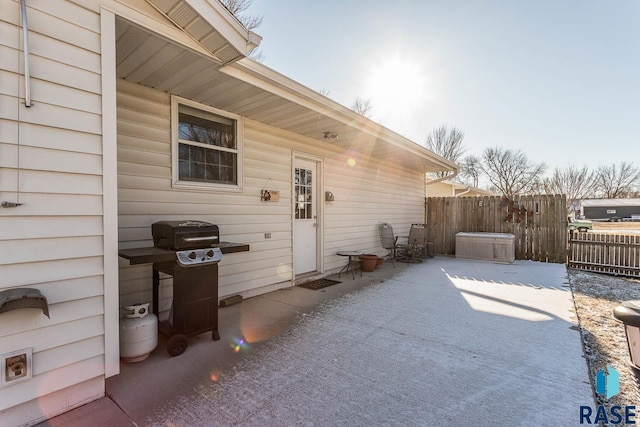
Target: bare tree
x: 447, y: 143
x: 470, y: 170
x: 324, y: 92
x: 250, y: 22
x: 617, y: 181
x: 362, y: 106
x: 511, y: 172
x: 238, y: 9
x: 576, y: 184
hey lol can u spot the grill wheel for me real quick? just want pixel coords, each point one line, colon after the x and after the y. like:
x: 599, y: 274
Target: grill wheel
x: 177, y: 344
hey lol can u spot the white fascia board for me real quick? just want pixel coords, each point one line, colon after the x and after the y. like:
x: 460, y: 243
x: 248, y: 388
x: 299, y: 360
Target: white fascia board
x: 254, y: 41
x: 263, y: 77
x: 225, y: 23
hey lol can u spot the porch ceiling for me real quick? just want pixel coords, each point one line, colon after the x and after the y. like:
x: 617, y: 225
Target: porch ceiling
x: 254, y: 91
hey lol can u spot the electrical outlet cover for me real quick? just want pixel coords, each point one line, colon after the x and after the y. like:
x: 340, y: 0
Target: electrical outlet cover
x: 16, y: 366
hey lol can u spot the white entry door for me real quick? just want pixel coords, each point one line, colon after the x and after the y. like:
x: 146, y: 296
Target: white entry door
x: 305, y: 210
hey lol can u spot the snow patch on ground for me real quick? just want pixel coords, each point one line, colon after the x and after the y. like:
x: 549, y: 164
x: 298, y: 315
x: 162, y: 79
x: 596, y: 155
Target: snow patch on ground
x: 596, y: 295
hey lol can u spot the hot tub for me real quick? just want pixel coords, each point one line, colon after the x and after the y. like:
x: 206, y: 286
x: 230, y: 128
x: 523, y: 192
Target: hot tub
x: 498, y: 247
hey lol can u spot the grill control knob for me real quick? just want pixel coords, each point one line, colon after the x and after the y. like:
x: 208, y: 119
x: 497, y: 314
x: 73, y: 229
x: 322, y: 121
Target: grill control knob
x: 197, y: 257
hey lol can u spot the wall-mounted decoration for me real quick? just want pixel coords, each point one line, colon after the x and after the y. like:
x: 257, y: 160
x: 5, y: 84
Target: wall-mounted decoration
x: 270, y: 195
x: 515, y: 213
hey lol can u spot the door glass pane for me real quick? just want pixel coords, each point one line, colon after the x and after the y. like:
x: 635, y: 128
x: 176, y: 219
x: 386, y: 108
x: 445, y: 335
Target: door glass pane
x: 303, y: 193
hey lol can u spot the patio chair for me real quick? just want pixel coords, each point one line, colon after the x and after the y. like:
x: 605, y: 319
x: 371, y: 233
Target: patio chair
x: 417, y: 246
x: 427, y: 248
x: 388, y: 241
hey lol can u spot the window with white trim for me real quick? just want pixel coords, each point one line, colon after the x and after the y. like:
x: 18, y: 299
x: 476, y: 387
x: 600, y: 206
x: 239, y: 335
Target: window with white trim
x: 207, y: 146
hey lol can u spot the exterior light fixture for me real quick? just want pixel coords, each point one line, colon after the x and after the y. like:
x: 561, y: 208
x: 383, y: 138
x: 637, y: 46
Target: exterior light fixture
x: 330, y: 136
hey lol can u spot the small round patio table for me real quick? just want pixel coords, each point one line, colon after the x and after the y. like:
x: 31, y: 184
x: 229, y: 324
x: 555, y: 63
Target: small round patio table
x: 352, y: 265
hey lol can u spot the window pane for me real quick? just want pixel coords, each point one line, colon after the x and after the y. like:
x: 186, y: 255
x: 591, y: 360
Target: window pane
x: 206, y: 128
x: 197, y: 163
x: 196, y: 154
x: 198, y: 171
x: 183, y: 169
x: 212, y: 173
x: 303, y: 194
x: 213, y: 157
x: 183, y: 152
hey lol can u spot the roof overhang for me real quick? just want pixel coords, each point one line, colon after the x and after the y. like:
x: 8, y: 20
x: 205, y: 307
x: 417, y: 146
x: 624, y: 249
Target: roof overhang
x: 211, y: 25
x: 327, y: 118
x: 217, y: 74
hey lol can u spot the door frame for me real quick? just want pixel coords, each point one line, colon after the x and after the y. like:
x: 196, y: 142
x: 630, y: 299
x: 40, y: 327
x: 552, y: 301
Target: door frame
x: 319, y: 188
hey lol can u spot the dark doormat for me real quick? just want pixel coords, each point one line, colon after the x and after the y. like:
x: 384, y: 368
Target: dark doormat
x: 319, y: 284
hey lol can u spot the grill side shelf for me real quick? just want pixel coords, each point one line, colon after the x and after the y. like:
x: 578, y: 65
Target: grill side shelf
x: 230, y: 247
x: 157, y: 255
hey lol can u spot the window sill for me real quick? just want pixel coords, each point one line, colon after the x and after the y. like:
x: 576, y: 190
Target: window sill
x: 203, y: 186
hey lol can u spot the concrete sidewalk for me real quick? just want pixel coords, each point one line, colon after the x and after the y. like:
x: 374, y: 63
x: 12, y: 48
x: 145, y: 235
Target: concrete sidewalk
x: 446, y: 342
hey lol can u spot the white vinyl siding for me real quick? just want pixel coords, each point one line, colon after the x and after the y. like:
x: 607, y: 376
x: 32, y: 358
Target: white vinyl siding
x: 362, y: 203
x: 146, y: 195
x: 52, y: 154
x: 366, y: 195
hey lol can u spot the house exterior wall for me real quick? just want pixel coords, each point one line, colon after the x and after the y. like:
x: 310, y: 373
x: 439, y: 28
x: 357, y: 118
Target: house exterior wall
x: 57, y: 159
x: 440, y: 189
x: 450, y: 189
x: 366, y: 194
x: 51, y: 162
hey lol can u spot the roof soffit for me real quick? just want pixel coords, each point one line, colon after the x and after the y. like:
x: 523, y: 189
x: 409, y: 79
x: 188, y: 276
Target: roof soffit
x: 263, y: 77
x: 211, y: 25
x: 182, y: 67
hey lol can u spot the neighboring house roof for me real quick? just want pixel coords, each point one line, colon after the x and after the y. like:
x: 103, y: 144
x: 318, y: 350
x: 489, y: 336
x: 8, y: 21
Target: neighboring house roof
x: 610, y: 202
x: 248, y: 88
x: 454, y: 188
x: 468, y: 190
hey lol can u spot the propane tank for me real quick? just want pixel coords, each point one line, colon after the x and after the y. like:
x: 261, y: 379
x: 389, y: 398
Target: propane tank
x: 138, y: 333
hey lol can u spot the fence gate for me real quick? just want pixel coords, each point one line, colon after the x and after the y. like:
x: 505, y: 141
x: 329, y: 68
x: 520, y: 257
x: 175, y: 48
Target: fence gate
x: 539, y: 223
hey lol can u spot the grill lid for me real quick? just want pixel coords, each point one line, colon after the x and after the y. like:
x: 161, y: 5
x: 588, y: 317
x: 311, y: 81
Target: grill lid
x: 181, y: 235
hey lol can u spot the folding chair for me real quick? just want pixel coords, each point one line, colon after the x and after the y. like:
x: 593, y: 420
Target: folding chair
x: 388, y: 241
x: 417, y: 246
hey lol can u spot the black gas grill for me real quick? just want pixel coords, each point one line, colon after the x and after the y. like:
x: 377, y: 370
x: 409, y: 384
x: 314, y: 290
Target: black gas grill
x: 190, y: 252
x: 195, y: 279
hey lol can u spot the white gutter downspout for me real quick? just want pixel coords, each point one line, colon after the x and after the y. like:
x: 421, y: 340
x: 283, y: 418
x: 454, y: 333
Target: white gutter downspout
x: 27, y: 100
x: 464, y: 192
x: 27, y: 71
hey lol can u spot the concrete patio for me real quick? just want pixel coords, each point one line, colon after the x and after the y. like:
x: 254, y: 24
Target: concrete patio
x: 445, y: 342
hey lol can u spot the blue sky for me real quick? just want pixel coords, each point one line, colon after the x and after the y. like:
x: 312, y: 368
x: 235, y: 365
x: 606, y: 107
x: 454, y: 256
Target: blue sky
x: 559, y: 80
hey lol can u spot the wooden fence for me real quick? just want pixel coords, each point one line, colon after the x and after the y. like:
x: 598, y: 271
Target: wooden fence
x: 605, y: 253
x: 539, y: 223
